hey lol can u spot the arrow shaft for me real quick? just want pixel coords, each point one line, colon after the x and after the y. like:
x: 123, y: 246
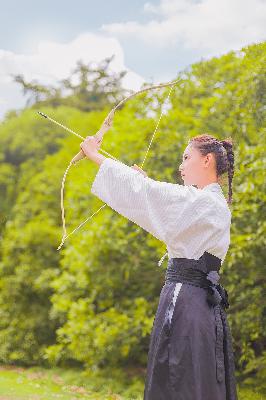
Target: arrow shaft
x: 73, y: 132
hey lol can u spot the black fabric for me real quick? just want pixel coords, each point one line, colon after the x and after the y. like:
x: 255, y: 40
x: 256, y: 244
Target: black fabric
x: 190, y: 355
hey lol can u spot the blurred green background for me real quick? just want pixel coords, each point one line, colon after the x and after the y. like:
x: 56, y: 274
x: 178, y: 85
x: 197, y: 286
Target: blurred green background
x: 86, y: 312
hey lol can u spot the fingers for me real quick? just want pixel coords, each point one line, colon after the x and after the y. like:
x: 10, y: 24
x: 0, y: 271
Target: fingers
x: 94, y: 141
x: 90, y: 144
x: 95, y: 138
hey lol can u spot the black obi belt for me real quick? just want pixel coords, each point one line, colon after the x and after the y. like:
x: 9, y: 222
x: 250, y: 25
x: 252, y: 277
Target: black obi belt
x: 203, y: 272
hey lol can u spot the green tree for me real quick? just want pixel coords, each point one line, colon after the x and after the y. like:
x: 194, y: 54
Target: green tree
x: 93, y: 303
x: 88, y: 87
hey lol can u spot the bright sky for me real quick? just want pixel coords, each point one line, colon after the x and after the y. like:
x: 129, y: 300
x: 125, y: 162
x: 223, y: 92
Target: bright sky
x: 152, y: 40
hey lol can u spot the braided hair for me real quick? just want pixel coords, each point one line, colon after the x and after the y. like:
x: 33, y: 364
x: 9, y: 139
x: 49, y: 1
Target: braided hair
x: 224, y: 156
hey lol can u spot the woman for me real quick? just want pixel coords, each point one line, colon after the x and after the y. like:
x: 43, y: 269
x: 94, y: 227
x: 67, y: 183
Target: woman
x: 190, y: 355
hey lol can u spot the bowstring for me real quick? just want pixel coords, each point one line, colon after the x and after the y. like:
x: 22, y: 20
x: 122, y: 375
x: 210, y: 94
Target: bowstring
x: 157, y: 125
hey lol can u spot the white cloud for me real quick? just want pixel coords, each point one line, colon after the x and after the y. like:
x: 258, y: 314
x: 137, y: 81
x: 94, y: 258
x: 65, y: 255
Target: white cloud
x: 167, y: 7
x: 54, y: 61
x: 210, y: 26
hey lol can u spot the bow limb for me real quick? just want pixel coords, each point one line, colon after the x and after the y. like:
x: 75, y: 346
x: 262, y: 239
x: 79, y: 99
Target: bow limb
x: 108, y: 122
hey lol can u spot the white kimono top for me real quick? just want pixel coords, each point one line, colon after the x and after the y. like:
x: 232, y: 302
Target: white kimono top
x: 187, y: 219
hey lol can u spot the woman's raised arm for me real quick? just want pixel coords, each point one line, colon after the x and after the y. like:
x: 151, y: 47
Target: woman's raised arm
x: 153, y: 205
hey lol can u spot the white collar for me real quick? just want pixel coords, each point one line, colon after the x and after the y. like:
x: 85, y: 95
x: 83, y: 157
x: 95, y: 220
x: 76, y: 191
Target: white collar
x: 214, y: 187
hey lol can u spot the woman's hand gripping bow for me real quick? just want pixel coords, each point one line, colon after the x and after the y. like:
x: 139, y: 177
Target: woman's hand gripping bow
x: 91, y: 145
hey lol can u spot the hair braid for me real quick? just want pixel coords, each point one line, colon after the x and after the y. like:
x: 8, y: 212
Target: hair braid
x: 227, y: 144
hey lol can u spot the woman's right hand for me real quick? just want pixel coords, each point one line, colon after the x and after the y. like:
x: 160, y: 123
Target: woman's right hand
x: 137, y: 168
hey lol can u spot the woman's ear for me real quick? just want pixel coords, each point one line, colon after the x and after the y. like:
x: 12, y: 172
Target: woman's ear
x: 208, y: 159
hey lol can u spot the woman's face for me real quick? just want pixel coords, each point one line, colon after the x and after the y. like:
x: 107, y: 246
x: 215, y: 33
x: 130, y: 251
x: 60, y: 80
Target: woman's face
x: 194, y: 165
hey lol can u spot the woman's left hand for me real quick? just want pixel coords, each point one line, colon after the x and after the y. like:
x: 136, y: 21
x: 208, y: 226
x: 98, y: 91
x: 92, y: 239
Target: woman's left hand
x: 91, y: 145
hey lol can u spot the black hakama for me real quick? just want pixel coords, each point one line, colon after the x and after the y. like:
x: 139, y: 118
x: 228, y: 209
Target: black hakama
x: 190, y: 355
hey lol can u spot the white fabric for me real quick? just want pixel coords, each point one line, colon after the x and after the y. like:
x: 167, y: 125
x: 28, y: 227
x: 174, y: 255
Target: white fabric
x: 187, y: 219
x: 171, y: 308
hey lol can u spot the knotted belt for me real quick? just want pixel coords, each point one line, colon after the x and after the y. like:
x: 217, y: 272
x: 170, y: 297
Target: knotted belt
x: 217, y: 297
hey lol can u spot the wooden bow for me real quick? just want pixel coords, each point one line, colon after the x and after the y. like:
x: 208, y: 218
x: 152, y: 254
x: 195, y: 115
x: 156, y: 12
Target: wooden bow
x: 106, y: 125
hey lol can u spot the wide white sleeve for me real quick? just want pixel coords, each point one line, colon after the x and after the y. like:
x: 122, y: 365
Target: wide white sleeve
x: 153, y: 205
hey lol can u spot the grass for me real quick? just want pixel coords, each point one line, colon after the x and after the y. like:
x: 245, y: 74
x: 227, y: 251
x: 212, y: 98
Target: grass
x: 65, y: 384
x: 49, y: 384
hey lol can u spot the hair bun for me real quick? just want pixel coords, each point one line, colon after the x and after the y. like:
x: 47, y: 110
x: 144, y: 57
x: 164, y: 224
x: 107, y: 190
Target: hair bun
x: 226, y: 143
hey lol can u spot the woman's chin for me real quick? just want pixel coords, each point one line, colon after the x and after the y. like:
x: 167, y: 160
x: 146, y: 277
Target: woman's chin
x: 187, y: 182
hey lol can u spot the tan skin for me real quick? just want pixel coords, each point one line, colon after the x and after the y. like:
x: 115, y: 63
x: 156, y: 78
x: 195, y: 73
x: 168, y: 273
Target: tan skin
x: 195, y: 168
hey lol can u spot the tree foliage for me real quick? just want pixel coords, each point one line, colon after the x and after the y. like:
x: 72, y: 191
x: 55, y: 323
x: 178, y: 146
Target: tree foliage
x: 93, y: 303
x: 89, y: 87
